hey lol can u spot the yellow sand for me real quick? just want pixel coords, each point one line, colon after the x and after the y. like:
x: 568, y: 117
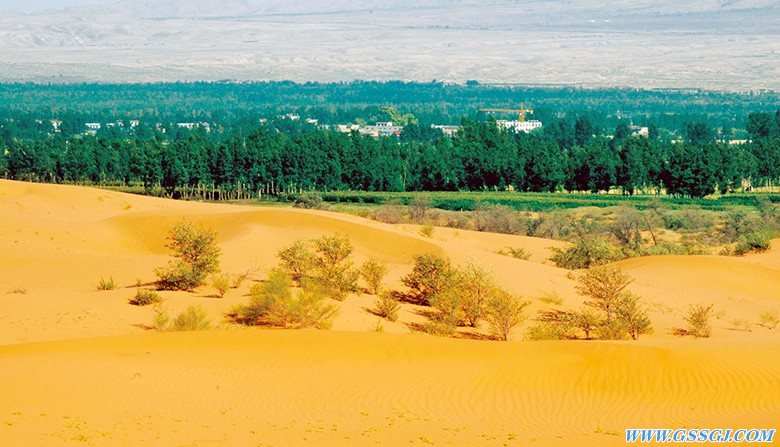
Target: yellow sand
x: 77, y: 366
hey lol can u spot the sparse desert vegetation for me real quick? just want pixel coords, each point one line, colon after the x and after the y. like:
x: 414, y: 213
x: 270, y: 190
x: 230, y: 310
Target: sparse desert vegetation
x: 196, y: 256
x: 387, y: 306
x: 611, y: 312
x: 698, y: 319
x: 193, y: 318
x: 221, y: 283
x: 104, y: 284
x: 144, y: 297
x: 769, y: 319
x: 373, y: 272
x: 275, y: 303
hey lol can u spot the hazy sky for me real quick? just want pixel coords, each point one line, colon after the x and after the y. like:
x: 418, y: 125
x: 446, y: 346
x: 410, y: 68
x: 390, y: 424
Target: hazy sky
x: 42, y: 5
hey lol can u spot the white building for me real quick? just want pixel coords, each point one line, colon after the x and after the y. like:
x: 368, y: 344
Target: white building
x: 519, y: 126
x: 446, y: 129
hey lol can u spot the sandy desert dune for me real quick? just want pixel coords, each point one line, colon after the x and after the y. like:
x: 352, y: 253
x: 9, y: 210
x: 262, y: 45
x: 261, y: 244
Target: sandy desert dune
x: 77, y: 366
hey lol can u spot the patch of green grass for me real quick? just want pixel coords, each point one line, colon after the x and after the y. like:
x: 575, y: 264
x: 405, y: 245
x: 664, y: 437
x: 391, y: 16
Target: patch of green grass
x: 145, y: 297
x: 106, y: 285
x: 551, y: 298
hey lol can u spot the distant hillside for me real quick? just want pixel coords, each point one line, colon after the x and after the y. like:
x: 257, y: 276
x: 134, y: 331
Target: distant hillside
x: 720, y: 44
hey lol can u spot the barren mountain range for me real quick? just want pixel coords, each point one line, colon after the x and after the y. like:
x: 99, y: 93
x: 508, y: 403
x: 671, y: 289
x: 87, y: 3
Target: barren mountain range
x: 731, y: 45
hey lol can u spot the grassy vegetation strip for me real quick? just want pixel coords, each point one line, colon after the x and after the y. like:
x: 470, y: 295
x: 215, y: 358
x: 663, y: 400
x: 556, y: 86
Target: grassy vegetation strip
x: 542, y: 201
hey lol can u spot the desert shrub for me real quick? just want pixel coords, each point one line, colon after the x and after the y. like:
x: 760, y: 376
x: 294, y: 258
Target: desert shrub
x: 475, y: 286
x: 752, y: 242
x: 430, y: 276
x: 586, y: 320
x: 177, y: 277
x: 626, y: 227
x: 106, y: 285
x: 192, y: 319
x: 552, y: 225
x: 498, y: 219
x: 690, y: 219
x: 373, y: 272
x: 517, y: 253
x: 769, y: 319
x: 145, y: 297
x: 197, y: 256
x: 583, y: 254
x: 273, y: 303
x: 742, y: 325
x: 551, y: 298
x: 322, y: 263
x: 308, y: 200
x: 298, y: 259
x: 275, y: 291
x: 631, y: 318
x: 604, y: 285
x: 438, y: 328
x: 675, y: 221
x: 238, y: 278
x: 610, y: 313
x: 549, y: 330
x: 504, y: 312
x: 19, y: 290
x: 455, y: 219
x: 161, y: 319
x: 336, y: 274
x: 448, y: 315
x: 418, y: 207
x: 426, y: 231
x: 735, y: 223
x: 310, y: 308
x: 698, y: 319
x: 666, y: 248
x: 221, y: 284
x: 391, y: 213
x: 387, y: 306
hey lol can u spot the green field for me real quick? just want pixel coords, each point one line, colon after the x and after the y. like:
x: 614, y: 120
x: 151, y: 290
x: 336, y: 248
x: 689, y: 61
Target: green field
x: 470, y: 200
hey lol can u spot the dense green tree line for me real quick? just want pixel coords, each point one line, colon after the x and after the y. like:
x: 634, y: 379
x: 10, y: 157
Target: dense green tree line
x: 290, y: 156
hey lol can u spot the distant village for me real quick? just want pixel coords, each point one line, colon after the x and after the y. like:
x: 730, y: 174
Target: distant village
x: 377, y: 130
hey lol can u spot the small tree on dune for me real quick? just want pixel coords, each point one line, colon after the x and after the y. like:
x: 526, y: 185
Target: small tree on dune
x: 449, y: 313
x: 504, y: 311
x: 476, y: 286
x: 196, y: 254
x: 633, y: 316
x: 298, y: 259
x: 611, y: 312
x: 323, y: 263
x: 698, y: 320
x: 336, y: 273
x: 430, y: 276
x: 604, y: 285
x: 373, y: 272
